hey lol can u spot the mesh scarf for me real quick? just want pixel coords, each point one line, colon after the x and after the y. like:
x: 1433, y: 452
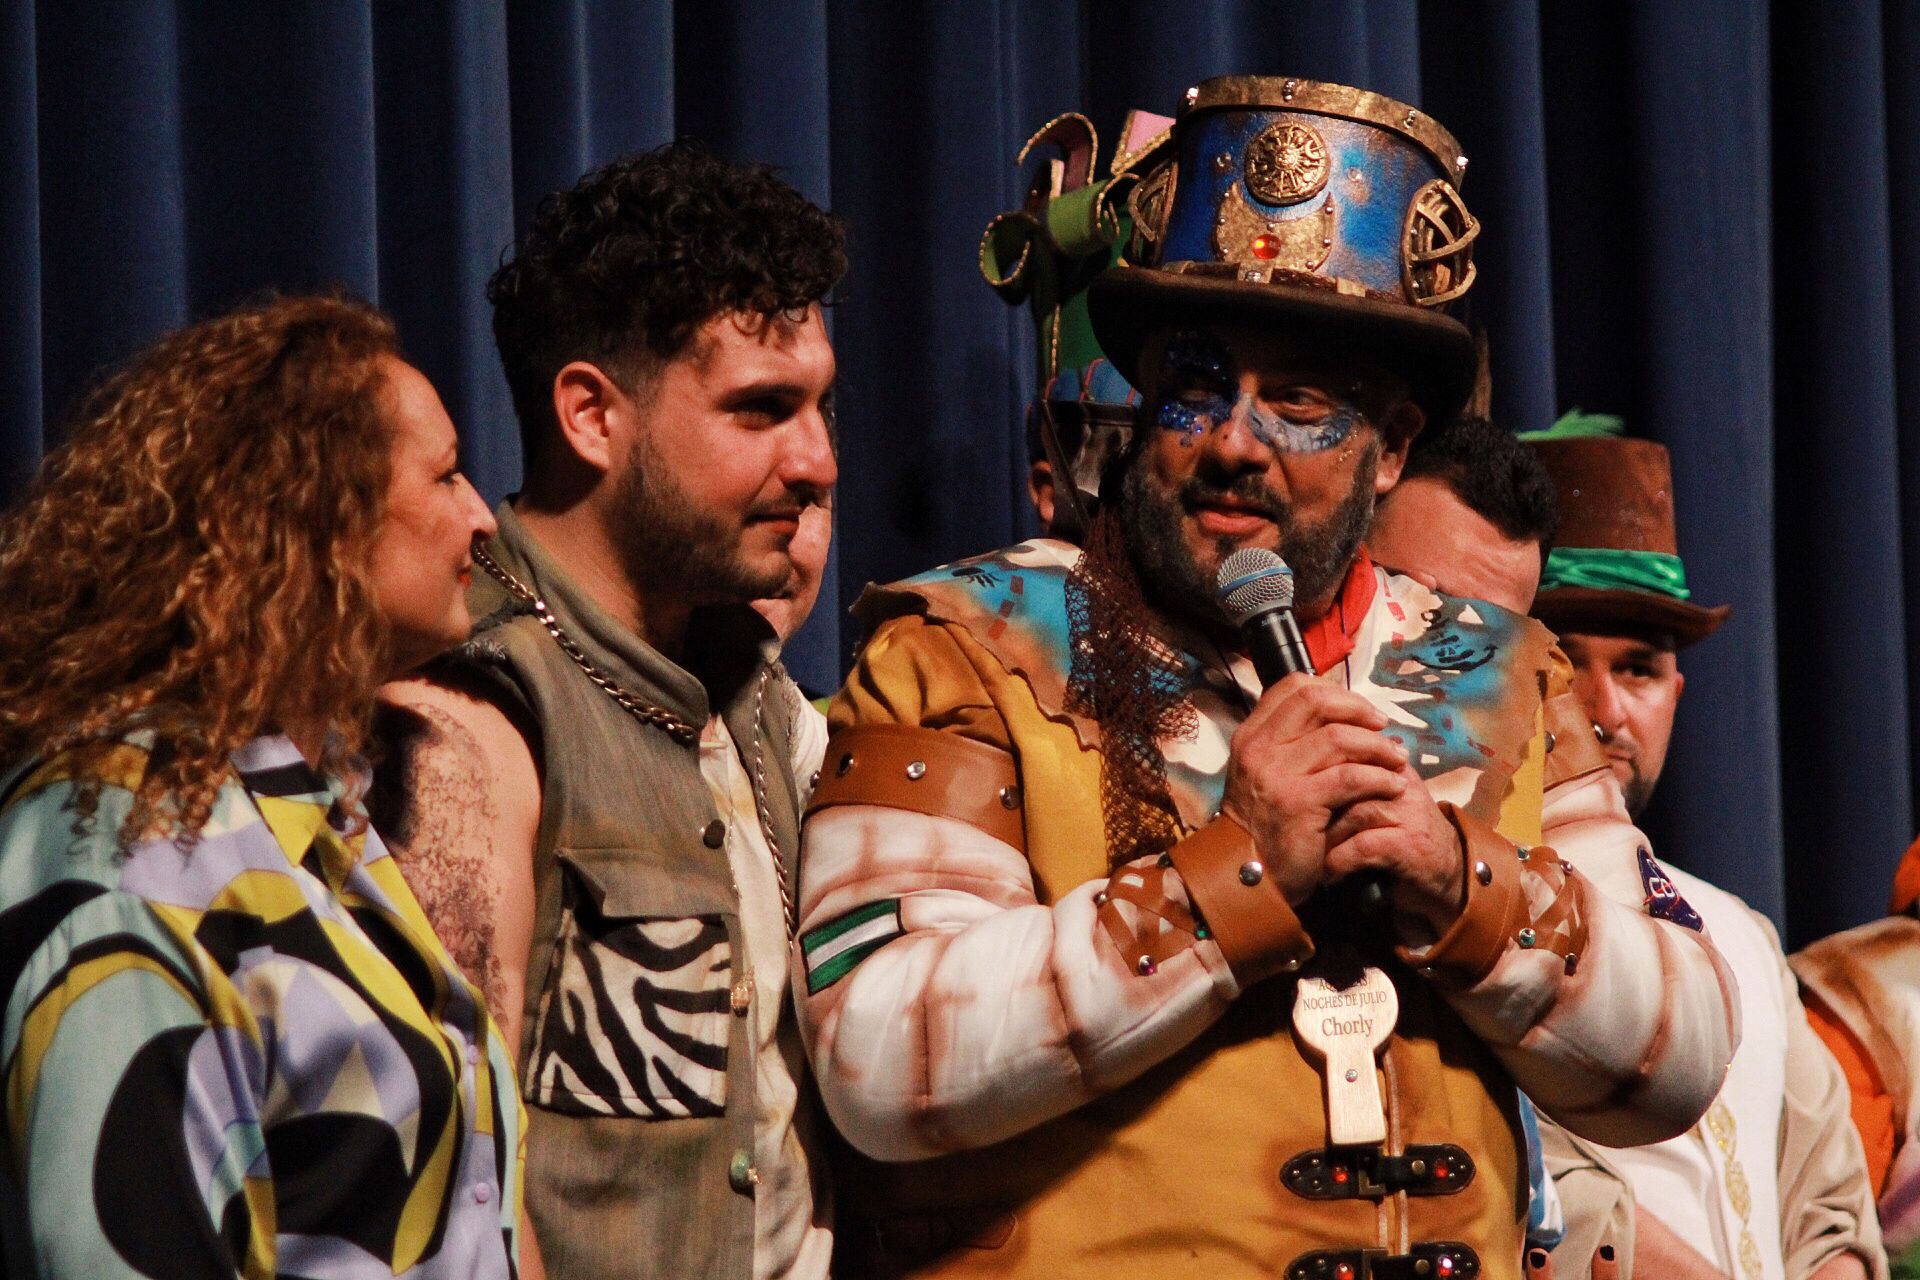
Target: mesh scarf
x: 1132, y: 686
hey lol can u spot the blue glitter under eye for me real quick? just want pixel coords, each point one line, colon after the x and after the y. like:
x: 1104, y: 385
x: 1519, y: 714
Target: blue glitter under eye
x: 1192, y: 419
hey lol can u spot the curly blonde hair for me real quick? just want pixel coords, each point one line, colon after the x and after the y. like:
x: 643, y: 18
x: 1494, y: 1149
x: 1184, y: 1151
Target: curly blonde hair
x: 193, y: 560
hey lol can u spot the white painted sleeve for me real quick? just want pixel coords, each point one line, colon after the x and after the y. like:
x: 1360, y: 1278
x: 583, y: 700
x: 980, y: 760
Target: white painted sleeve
x: 1629, y: 1042
x: 946, y: 1008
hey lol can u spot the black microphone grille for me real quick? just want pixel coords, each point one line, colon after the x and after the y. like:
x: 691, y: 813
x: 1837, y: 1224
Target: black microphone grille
x: 1252, y: 581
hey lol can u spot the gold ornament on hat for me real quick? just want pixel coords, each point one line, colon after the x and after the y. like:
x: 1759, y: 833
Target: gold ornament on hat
x: 1286, y: 163
x: 1436, y: 246
x: 1262, y: 245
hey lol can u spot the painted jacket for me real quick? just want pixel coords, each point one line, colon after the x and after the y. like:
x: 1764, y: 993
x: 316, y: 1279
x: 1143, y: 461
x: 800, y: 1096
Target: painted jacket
x: 1771, y: 1183
x: 247, y: 1057
x: 1086, y: 1063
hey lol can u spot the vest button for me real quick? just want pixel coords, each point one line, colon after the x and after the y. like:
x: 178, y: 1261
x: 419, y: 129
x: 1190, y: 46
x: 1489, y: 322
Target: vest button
x: 741, y: 1175
x: 715, y: 834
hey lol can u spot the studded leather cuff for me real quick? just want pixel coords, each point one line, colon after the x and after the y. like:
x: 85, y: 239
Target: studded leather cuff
x: 1256, y: 929
x: 1573, y: 750
x: 928, y: 771
x: 1495, y: 908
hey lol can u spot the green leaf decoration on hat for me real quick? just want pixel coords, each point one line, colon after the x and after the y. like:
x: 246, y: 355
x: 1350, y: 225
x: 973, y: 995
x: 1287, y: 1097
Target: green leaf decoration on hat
x: 1577, y: 425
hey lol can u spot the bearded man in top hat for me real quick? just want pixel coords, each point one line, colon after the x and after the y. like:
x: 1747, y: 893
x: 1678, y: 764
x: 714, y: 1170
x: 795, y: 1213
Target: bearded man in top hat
x: 1071, y: 880
x: 1771, y: 1183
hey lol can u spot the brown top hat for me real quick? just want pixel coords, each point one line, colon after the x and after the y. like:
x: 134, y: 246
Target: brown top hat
x: 1615, y: 561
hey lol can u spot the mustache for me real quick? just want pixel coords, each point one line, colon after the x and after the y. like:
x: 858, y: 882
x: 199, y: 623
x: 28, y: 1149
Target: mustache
x: 1247, y: 489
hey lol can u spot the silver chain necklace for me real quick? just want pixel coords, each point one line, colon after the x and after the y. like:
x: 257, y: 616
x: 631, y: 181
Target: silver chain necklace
x: 659, y: 717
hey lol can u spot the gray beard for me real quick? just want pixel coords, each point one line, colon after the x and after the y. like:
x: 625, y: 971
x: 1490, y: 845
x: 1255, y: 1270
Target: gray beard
x: 1319, y: 554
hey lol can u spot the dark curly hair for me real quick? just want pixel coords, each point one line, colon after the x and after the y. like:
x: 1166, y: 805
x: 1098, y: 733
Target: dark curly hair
x: 621, y: 268
x: 1498, y: 478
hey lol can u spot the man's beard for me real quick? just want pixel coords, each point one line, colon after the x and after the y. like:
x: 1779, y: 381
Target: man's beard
x: 1154, y: 520
x: 667, y: 541
x: 1638, y: 791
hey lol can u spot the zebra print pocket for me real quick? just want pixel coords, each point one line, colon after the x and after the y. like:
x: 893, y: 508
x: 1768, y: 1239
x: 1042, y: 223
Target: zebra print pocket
x: 635, y: 1017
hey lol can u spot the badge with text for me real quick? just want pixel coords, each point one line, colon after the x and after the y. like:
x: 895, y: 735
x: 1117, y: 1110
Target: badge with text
x: 1346, y: 1026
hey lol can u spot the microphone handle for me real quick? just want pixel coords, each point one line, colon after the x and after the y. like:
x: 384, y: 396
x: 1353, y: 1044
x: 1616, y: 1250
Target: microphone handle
x: 1274, y: 644
x: 1278, y: 651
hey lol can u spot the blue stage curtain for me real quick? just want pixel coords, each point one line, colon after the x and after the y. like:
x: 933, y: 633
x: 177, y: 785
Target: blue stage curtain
x: 1698, y: 213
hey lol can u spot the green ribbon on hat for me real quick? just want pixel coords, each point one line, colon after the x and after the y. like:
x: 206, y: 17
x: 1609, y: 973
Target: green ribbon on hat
x: 1612, y: 569
x: 1575, y: 425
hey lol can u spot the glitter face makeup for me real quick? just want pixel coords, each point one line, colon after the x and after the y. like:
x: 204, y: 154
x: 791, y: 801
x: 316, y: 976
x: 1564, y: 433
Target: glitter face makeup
x: 1199, y: 370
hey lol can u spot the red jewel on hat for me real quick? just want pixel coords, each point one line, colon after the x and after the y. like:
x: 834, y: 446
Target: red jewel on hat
x: 1440, y: 1168
x: 1339, y: 1173
x: 1446, y: 1264
x: 1344, y: 1271
x: 1265, y: 247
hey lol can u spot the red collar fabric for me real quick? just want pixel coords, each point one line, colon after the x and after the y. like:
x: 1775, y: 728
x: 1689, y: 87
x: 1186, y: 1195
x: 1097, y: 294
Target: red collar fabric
x: 1330, y: 639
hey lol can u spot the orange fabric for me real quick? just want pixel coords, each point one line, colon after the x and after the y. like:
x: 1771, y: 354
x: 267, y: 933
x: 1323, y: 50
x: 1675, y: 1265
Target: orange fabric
x: 1330, y: 637
x: 1906, y: 882
x: 1872, y: 1105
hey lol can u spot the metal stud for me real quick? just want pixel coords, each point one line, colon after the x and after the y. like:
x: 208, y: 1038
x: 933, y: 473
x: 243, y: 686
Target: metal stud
x: 1522, y: 853
x: 1460, y: 163
x: 1251, y: 873
x: 1419, y: 1168
x: 1100, y: 899
x: 1286, y: 90
x: 1526, y: 937
x: 1573, y: 962
x: 1164, y: 860
x: 1483, y: 873
x: 1551, y: 740
x: 1411, y: 117
x: 1009, y: 797
x: 1223, y: 163
x: 1599, y: 734
x: 1352, y: 1075
x: 845, y: 766
x: 1146, y: 968
x: 1193, y: 95
x: 916, y: 769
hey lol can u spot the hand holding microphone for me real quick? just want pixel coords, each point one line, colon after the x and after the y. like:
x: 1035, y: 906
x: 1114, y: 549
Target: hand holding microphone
x: 1324, y: 793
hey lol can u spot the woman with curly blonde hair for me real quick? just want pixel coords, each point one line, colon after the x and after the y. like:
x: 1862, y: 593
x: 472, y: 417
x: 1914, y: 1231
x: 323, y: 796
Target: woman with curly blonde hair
x: 231, y: 1043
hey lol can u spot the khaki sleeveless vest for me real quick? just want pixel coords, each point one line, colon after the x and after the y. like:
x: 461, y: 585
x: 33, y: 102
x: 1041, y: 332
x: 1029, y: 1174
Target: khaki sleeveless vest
x: 636, y: 1067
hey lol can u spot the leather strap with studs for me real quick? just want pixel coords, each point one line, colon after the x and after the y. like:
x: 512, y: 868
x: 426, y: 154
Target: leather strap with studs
x: 1573, y: 749
x: 1367, y: 1173
x: 1250, y: 918
x: 929, y: 771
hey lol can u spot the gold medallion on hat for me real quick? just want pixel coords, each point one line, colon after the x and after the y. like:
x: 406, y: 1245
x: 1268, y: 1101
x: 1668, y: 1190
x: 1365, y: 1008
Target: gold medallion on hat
x: 1287, y: 163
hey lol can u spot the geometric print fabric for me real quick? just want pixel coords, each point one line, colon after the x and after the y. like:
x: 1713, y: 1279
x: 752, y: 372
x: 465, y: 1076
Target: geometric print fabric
x: 248, y: 1056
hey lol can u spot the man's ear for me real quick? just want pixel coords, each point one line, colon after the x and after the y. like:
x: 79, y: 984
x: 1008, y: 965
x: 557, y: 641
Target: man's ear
x: 584, y: 397
x: 1397, y: 430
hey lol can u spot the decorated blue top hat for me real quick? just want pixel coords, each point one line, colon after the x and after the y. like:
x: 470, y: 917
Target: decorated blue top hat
x: 1323, y: 210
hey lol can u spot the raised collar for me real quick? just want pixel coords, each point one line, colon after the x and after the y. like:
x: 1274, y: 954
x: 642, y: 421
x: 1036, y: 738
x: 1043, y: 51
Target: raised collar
x: 1331, y: 637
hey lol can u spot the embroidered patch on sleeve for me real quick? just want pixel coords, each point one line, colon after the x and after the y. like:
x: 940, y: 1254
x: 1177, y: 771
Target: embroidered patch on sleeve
x: 833, y: 949
x: 1663, y: 896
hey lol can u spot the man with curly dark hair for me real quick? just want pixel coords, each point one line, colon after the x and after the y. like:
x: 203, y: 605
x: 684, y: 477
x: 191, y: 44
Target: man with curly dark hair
x: 598, y: 798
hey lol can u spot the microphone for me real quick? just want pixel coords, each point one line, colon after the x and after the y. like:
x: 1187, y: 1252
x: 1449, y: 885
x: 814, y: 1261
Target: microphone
x: 1255, y: 587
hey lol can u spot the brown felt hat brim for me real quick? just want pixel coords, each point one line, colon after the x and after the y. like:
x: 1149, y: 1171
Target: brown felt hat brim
x: 1434, y: 352
x: 1590, y: 609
